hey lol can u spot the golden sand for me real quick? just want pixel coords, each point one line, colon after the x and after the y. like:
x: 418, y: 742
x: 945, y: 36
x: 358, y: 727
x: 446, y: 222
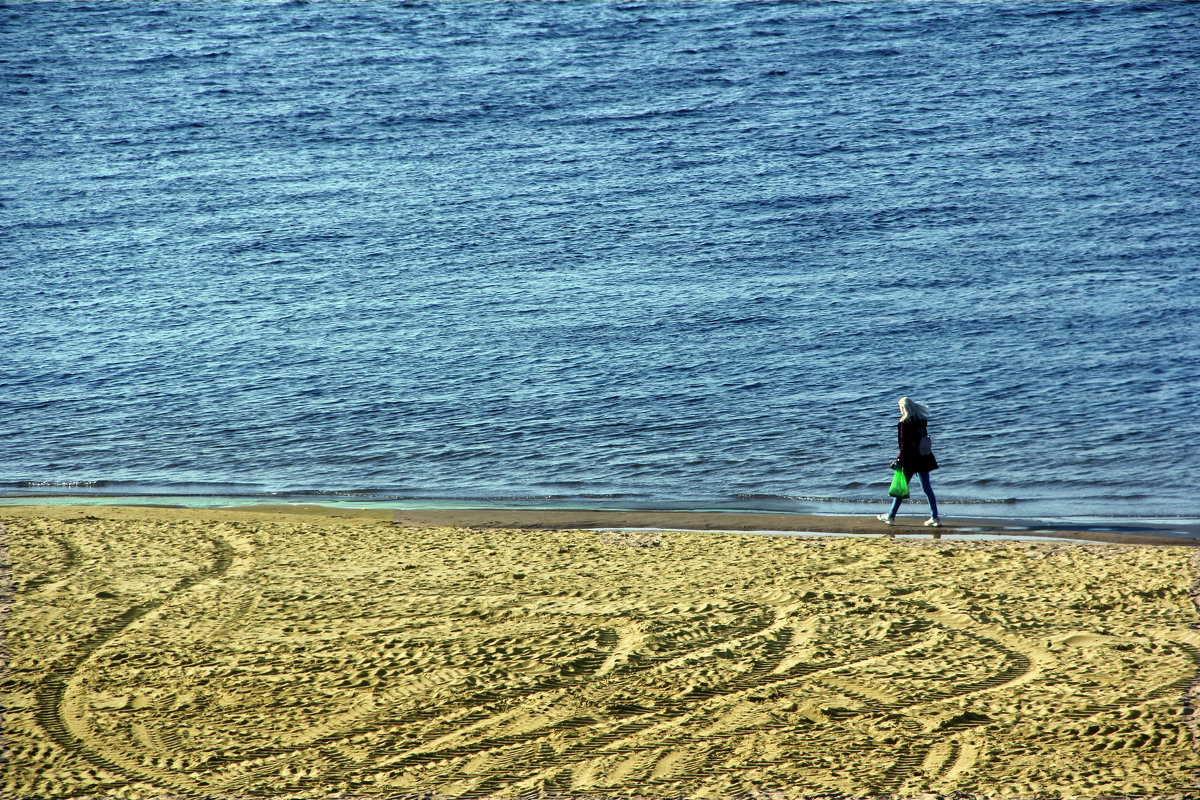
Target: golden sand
x: 159, y: 652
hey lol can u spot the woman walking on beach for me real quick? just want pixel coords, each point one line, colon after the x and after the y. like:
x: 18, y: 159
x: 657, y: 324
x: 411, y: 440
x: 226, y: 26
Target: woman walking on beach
x: 916, y: 456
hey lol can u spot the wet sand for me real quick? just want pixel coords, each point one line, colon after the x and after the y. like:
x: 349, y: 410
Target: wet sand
x: 331, y: 652
x: 1109, y: 530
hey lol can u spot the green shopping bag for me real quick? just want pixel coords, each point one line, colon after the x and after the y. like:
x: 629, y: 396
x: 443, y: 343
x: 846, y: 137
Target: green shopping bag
x: 899, y: 485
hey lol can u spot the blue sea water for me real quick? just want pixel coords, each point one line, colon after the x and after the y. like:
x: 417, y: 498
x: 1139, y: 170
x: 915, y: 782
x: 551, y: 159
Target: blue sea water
x: 675, y: 254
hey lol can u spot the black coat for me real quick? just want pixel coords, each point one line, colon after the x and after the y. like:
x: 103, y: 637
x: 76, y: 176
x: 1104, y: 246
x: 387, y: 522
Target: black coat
x: 909, y: 432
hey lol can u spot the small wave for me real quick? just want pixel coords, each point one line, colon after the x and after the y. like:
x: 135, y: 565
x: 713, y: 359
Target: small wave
x: 121, y: 488
x: 831, y: 500
x: 155, y: 59
x: 59, y: 484
x: 184, y: 125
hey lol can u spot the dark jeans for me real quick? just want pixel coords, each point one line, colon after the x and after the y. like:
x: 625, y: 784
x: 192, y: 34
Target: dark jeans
x: 896, y: 501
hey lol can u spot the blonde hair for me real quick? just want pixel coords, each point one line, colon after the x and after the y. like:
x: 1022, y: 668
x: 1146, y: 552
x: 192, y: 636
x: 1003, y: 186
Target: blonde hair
x: 911, y: 409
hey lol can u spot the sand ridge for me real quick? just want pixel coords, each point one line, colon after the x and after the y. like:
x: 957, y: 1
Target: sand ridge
x: 239, y: 654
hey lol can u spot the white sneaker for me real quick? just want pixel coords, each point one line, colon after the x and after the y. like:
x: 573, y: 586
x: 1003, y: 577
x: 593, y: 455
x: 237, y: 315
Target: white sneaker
x: 886, y: 520
x: 933, y: 522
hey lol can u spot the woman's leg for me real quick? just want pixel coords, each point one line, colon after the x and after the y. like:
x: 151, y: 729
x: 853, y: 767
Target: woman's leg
x: 933, y: 512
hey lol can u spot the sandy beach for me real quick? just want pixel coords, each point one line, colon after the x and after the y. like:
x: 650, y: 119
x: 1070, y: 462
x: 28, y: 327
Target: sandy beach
x: 317, y: 653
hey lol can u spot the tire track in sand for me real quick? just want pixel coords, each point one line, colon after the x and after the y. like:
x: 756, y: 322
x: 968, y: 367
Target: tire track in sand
x: 1191, y: 694
x: 51, y: 715
x: 618, y: 736
x: 598, y: 669
x: 70, y: 559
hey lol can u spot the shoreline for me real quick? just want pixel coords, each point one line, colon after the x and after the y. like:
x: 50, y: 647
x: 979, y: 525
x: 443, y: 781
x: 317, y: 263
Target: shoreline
x: 1159, y: 533
x: 1150, y: 531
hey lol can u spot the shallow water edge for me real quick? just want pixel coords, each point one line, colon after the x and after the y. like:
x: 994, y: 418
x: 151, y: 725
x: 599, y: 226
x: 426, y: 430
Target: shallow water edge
x: 1127, y: 530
